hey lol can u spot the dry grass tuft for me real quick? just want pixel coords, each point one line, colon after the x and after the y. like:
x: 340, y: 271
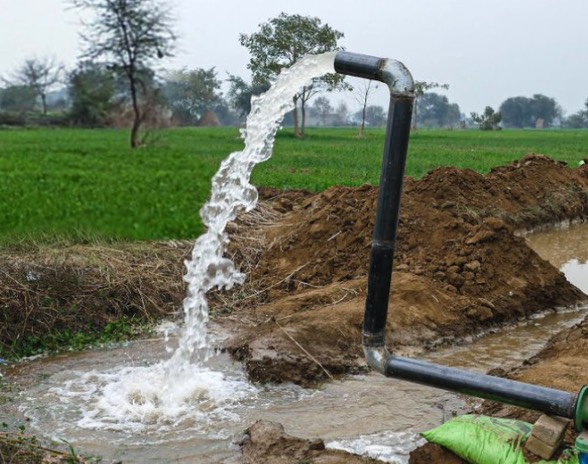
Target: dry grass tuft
x: 87, y: 286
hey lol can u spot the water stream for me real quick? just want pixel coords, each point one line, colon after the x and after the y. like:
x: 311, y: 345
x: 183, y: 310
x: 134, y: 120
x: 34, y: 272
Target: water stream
x: 183, y: 391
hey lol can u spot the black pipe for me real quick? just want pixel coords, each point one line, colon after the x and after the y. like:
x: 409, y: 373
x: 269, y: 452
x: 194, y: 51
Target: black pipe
x: 391, y: 72
x: 388, y: 212
x: 353, y: 64
x: 548, y: 400
x: 543, y: 399
x: 401, y: 85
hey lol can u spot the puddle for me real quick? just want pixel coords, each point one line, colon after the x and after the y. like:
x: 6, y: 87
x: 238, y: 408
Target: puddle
x: 564, y: 247
x: 63, y: 395
x: 567, y: 249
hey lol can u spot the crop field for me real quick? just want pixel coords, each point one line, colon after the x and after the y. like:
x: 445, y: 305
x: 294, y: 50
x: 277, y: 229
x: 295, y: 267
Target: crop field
x: 76, y: 185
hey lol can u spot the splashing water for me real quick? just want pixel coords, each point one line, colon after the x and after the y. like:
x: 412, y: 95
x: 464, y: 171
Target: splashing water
x: 232, y: 193
x: 182, y: 390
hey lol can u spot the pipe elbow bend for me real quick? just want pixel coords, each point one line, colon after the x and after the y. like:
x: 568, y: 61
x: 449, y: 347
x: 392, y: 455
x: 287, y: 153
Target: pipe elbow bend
x: 376, y: 357
x: 397, y: 77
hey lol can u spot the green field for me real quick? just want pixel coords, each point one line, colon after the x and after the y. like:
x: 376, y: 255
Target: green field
x: 85, y: 185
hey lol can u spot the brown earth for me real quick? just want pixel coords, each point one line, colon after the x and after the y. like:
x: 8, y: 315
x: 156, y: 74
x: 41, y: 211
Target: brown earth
x: 459, y: 269
x: 267, y: 442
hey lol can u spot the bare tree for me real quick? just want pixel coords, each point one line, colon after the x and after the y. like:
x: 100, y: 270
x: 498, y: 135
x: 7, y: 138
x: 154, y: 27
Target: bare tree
x: 362, y: 95
x: 40, y: 75
x: 129, y: 36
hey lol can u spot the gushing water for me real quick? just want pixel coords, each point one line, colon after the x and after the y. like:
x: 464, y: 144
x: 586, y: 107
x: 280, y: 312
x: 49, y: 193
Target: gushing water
x: 182, y: 391
x: 231, y: 193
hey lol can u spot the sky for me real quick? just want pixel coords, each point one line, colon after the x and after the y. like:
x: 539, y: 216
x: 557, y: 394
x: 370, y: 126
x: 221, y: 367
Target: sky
x: 486, y: 51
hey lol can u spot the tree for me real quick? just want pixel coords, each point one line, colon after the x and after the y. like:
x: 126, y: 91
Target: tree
x: 92, y: 91
x: 18, y: 98
x: 323, y: 109
x: 129, y: 36
x: 240, y: 94
x: 40, y: 75
x: 420, y: 88
x: 190, y: 94
x: 578, y: 120
x: 363, y: 93
x: 280, y: 43
x: 375, y: 115
x: 488, y: 120
x: 226, y: 115
x: 526, y: 112
x: 341, y: 114
x: 434, y: 110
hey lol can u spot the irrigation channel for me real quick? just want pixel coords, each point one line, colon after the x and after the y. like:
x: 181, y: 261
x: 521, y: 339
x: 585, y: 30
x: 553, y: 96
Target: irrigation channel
x: 73, y: 397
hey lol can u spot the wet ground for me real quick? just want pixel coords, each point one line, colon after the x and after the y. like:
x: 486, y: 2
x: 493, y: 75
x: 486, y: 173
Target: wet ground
x: 366, y: 414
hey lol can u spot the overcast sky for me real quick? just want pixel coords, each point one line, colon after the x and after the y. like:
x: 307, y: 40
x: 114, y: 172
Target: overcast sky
x: 486, y: 51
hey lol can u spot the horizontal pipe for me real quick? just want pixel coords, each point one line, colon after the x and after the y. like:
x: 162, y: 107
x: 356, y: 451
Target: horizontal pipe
x: 391, y: 72
x: 547, y: 400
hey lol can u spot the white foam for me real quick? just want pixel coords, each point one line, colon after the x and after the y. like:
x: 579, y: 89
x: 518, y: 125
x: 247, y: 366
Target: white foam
x: 145, y: 399
x: 394, y: 447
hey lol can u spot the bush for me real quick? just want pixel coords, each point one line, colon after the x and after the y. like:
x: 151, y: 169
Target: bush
x: 12, y: 119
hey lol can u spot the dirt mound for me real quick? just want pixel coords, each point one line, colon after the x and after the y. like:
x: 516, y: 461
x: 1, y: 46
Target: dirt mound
x: 459, y: 266
x: 267, y: 442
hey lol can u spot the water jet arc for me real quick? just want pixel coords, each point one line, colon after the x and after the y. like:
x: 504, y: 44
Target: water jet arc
x: 402, y: 96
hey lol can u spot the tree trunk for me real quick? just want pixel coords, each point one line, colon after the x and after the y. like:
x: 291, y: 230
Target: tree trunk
x: 295, y: 116
x: 303, y: 118
x: 136, y: 112
x: 362, y: 127
x: 44, y: 103
x: 135, y: 131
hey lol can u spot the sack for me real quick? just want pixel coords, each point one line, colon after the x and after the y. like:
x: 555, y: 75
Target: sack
x: 488, y: 440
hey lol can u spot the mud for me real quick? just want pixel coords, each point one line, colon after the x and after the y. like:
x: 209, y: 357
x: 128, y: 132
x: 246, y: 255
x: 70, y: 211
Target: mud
x: 459, y: 267
x: 267, y: 442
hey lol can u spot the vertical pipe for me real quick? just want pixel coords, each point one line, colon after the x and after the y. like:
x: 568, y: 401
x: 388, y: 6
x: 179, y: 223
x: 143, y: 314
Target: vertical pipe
x: 387, y: 216
x: 401, y: 85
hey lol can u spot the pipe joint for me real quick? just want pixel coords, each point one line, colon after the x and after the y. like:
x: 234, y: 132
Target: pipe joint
x: 398, y: 78
x: 375, y: 350
x: 369, y: 339
x: 391, y: 72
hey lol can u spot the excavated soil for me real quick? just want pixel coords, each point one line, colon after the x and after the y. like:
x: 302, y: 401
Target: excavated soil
x: 459, y: 269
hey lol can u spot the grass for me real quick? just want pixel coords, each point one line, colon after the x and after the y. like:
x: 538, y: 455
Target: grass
x: 87, y: 185
x: 57, y: 340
